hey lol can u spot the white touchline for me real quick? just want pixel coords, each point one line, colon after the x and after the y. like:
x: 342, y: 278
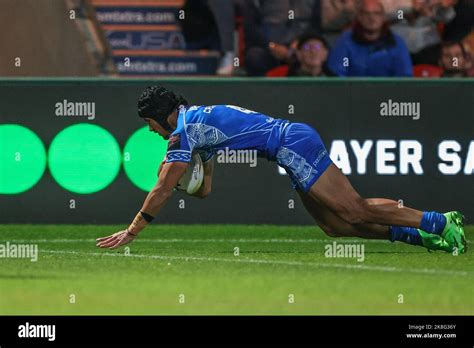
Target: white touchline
x: 270, y: 262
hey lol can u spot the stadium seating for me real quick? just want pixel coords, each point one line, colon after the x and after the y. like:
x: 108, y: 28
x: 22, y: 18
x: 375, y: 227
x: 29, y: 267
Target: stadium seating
x: 146, y: 39
x: 427, y: 70
x: 279, y: 71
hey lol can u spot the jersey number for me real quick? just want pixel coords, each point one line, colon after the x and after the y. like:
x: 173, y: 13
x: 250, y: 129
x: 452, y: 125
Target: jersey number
x: 238, y: 108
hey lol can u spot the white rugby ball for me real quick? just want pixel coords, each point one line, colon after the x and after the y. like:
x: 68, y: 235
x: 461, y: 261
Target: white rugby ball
x: 191, y: 181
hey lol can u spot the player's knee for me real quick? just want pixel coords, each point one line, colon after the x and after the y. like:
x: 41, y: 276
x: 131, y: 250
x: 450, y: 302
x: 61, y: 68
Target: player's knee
x: 331, y: 231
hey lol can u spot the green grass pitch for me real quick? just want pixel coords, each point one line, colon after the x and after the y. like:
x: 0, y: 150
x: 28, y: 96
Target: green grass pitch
x: 276, y: 264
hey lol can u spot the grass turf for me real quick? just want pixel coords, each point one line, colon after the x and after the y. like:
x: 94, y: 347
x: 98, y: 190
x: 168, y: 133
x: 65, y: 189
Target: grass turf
x: 276, y: 264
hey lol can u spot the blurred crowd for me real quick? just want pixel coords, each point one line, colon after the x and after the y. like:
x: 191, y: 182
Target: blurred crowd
x: 400, y: 38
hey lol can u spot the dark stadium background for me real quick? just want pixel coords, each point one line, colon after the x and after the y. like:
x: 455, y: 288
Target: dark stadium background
x: 340, y: 110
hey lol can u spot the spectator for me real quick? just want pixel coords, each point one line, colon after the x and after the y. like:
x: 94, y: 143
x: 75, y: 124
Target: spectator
x: 468, y: 44
x: 311, y: 56
x: 270, y: 26
x: 336, y: 16
x: 209, y: 24
x: 419, y: 28
x: 370, y: 48
x: 393, y: 8
x: 462, y: 24
x: 454, y: 60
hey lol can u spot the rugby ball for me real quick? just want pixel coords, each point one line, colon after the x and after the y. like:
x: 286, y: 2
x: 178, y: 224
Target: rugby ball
x: 191, y: 181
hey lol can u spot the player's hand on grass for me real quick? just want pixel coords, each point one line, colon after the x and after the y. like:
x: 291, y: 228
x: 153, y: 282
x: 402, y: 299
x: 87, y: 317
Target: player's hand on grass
x: 115, y: 240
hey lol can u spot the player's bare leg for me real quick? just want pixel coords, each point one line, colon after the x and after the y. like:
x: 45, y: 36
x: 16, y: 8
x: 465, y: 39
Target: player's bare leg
x: 334, y: 191
x: 430, y: 229
x: 334, y: 226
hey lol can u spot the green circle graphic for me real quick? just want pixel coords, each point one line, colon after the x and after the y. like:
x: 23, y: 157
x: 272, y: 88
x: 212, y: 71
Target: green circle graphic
x: 22, y: 159
x: 84, y: 158
x: 142, y: 156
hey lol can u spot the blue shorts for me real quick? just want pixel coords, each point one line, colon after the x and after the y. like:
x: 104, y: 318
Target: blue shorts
x: 303, y: 155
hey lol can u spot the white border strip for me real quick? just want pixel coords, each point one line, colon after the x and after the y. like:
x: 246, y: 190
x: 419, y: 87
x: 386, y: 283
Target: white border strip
x: 209, y: 240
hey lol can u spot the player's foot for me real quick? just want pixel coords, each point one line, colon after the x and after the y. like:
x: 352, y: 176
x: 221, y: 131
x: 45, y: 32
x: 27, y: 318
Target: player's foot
x: 453, y: 232
x: 432, y: 241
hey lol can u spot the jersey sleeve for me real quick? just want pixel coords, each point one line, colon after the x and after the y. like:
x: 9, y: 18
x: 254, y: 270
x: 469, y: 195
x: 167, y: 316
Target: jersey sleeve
x: 178, y: 148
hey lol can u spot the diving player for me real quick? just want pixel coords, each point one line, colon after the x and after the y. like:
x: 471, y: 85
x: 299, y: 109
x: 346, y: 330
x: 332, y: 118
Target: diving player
x: 325, y: 192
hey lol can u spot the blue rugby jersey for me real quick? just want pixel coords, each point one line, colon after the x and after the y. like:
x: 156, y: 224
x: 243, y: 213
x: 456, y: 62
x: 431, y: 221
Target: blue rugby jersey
x: 208, y: 129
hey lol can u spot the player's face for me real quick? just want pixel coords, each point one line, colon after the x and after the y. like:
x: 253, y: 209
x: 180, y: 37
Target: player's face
x: 154, y: 127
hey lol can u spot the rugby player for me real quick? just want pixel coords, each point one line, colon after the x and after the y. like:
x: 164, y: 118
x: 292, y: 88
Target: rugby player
x: 325, y: 192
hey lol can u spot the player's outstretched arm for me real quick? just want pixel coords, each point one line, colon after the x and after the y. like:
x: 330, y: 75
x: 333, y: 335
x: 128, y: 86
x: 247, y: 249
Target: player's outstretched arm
x: 206, y: 186
x: 155, y: 200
